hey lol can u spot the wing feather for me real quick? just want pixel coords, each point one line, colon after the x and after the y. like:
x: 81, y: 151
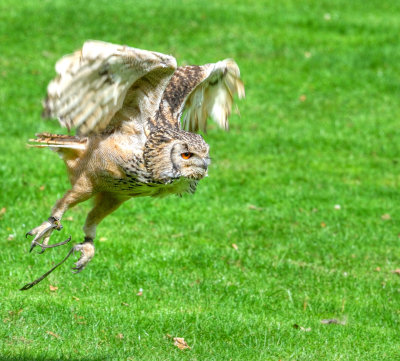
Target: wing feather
x: 92, y: 84
x: 202, y: 92
x: 213, y: 97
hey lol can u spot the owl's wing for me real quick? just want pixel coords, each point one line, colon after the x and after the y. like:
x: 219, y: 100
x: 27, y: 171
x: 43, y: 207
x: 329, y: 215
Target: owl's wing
x: 99, y: 80
x: 202, y: 92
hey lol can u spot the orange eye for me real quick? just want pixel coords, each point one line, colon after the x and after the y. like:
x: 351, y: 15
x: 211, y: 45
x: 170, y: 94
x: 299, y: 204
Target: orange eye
x: 186, y: 155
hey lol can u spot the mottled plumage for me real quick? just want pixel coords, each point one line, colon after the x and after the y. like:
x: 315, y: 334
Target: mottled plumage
x: 126, y: 106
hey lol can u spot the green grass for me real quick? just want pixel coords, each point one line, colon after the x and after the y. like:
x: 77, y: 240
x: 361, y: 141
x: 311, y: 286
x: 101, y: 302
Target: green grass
x: 273, y: 186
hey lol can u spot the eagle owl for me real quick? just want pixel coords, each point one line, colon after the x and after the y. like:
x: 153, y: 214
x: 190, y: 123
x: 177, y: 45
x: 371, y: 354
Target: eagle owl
x: 134, y: 113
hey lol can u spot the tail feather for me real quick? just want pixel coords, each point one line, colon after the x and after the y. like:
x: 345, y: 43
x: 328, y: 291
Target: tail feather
x: 57, y: 141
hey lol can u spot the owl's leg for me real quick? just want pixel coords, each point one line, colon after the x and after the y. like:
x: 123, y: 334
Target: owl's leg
x: 105, y: 203
x: 43, y: 232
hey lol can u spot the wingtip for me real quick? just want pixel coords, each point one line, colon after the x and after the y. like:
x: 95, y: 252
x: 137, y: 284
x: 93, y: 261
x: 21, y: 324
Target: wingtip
x: 234, y: 74
x: 240, y: 89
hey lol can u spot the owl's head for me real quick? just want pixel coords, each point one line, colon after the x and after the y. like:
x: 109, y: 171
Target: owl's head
x: 171, y: 154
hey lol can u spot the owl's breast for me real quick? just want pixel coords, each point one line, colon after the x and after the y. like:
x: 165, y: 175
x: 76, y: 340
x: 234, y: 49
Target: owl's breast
x: 135, y: 181
x: 178, y: 186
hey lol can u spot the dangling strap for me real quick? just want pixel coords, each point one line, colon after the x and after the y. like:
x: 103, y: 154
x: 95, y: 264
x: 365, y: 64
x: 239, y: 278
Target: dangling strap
x: 35, y: 282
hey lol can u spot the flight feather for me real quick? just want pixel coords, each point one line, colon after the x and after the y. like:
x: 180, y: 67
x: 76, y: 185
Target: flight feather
x: 94, y: 83
x: 202, y: 92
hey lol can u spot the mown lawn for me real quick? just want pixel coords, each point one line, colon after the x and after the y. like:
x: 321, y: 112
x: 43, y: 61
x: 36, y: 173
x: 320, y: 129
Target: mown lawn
x: 298, y: 221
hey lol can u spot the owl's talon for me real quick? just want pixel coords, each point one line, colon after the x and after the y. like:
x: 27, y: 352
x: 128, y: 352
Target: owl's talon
x: 43, y: 232
x: 87, y: 252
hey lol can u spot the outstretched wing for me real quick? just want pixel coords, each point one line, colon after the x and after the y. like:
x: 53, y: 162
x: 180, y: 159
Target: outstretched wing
x: 202, y: 92
x: 99, y: 80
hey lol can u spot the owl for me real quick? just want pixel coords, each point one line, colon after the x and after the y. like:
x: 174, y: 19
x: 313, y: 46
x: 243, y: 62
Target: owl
x: 135, y: 114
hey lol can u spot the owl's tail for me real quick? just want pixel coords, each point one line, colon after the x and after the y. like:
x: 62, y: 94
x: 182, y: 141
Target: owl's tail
x: 69, y: 148
x: 58, y: 142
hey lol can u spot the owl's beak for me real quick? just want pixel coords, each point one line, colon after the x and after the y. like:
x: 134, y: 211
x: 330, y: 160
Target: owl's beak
x: 201, y: 170
x: 206, y: 163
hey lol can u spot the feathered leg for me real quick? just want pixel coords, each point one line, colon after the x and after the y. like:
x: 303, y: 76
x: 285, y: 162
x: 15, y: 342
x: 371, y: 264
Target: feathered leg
x: 80, y: 192
x: 105, y: 203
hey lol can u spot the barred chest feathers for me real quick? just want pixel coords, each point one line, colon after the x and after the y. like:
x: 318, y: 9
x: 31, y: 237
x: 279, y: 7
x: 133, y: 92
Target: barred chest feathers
x: 139, y: 185
x: 134, y: 180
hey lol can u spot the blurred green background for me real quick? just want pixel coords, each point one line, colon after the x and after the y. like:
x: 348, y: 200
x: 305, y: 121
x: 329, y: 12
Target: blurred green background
x: 297, y: 222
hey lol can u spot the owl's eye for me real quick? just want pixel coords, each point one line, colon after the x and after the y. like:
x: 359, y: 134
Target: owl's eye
x: 186, y: 155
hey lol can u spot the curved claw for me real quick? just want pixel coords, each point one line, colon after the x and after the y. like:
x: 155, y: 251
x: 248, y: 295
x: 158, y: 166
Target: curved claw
x: 33, y: 245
